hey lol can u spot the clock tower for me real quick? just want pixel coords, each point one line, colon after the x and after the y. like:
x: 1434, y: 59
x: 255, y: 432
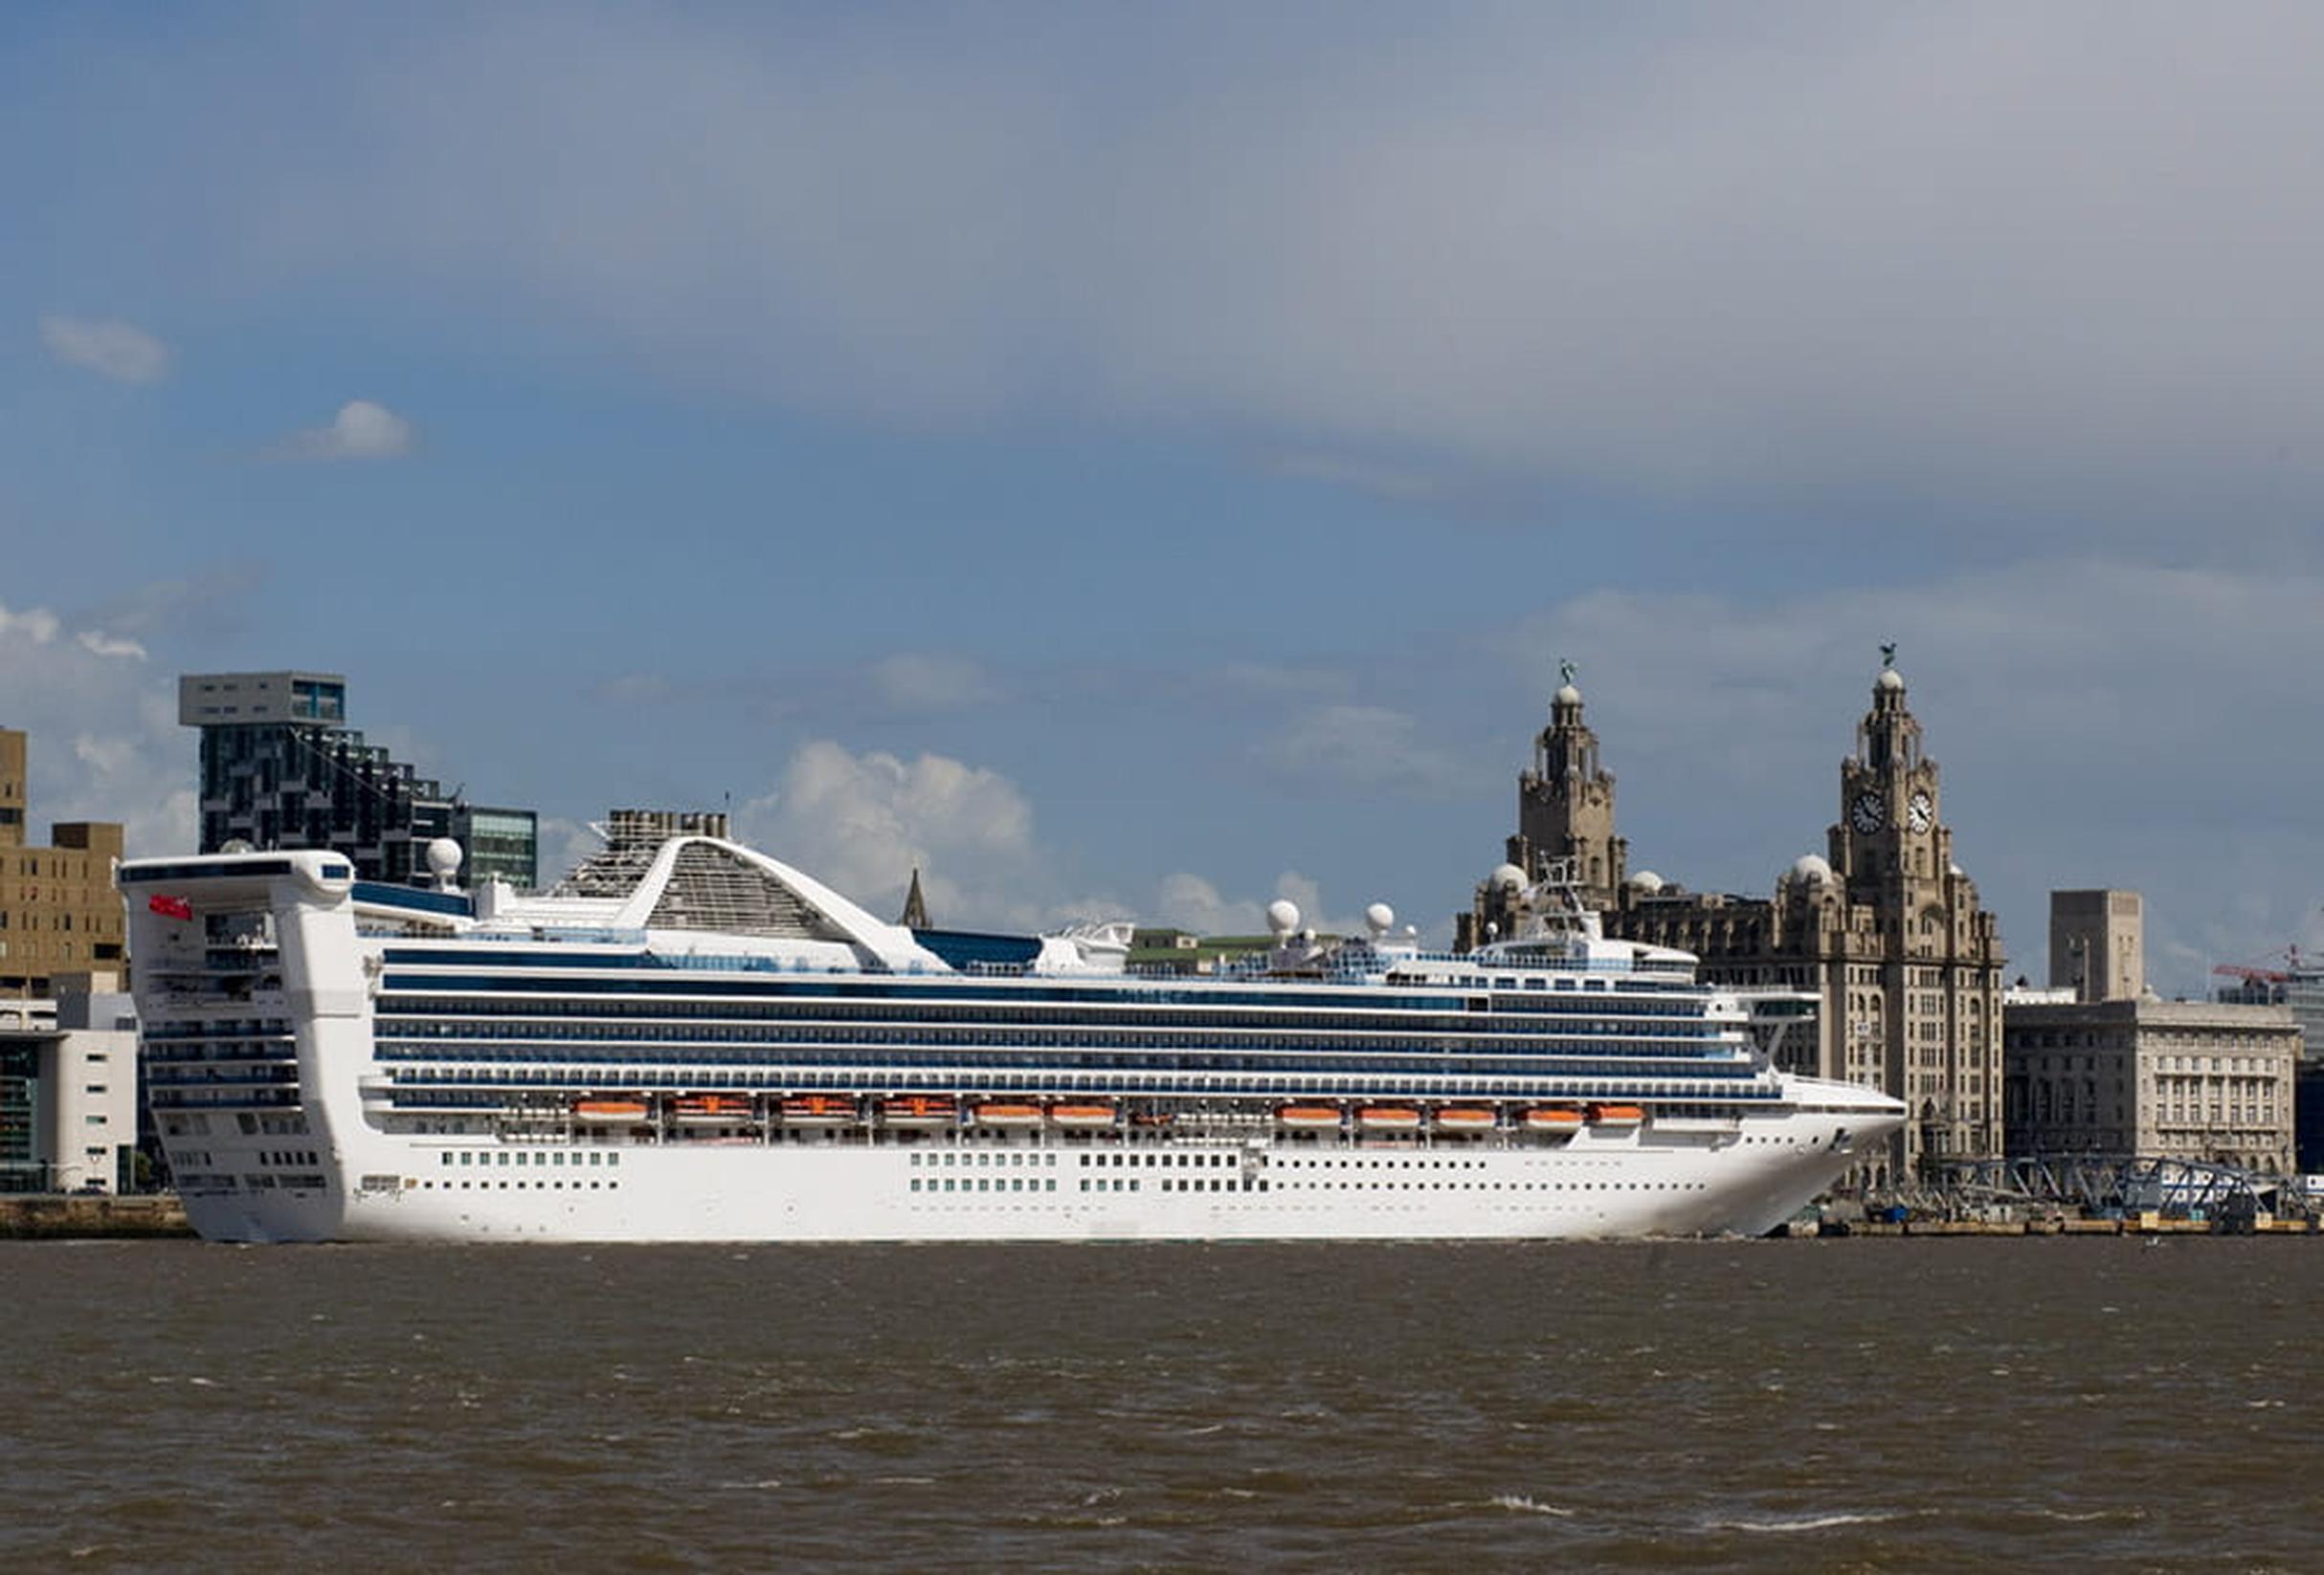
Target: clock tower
x: 1913, y: 1005
x: 1888, y: 837
x: 1887, y: 934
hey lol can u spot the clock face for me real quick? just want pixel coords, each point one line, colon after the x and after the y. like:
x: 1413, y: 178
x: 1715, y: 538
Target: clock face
x: 1921, y: 814
x: 1868, y: 813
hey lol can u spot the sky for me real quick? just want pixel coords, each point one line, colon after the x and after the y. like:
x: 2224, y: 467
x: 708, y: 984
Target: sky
x: 1145, y: 461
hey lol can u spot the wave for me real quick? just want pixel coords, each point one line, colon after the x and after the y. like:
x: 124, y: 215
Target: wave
x: 1812, y: 1522
x: 1519, y: 1502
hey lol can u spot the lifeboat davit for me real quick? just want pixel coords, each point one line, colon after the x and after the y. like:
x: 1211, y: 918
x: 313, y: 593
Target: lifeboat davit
x: 1617, y: 1117
x: 713, y: 1109
x: 1310, y: 1117
x: 1389, y: 1118
x: 996, y: 1114
x: 920, y: 1110
x: 819, y: 1110
x: 1083, y: 1116
x: 1554, y: 1119
x: 609, y: 1109
x: 1466, y: 1118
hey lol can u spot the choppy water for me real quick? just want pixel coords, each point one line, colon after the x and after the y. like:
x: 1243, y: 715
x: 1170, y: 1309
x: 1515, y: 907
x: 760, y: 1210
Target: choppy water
x: 1792, y: 1406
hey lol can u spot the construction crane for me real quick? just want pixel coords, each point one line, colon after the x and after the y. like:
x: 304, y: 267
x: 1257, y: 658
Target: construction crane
x: 2262, y: 976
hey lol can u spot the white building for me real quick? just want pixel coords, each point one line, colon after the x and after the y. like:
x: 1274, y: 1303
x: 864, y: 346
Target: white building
x: 67, y: 1093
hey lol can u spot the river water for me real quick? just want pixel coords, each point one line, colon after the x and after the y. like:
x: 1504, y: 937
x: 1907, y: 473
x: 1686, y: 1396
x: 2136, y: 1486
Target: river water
x: 1768, y: 1405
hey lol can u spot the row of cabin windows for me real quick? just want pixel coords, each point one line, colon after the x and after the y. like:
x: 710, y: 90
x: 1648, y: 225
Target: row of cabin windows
x: 539, y: 1186
x: 521, y: 1156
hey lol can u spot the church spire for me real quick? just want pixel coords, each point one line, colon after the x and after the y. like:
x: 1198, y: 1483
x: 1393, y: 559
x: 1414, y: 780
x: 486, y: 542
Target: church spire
x: 915, y: 906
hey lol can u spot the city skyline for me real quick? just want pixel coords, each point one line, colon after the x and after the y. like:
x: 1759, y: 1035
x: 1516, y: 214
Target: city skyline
x: 1154, y: 467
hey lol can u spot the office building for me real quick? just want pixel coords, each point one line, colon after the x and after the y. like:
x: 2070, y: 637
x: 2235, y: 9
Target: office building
x: 61, y: 915
x: 68, y: 1094
x: 281, y: 768
x: 2159, y: 1079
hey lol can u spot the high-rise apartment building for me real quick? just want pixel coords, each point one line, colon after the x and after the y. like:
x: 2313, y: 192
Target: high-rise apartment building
x: 281, y: 768
x: 61, y: 915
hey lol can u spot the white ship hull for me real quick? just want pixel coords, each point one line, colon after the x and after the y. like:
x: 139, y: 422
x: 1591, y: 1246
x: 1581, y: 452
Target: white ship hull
x: 1741, y: 1181
x: 317, y: 1083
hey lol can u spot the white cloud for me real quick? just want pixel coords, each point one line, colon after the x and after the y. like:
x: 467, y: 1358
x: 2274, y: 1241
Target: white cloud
x: 1367, y: 748
x: 919, y: 681
x: 109, y: 347
x: 99, y: 644
x: 2097, y: 724
x: 635, y: 689
x: 1791, y: 258
x: 103, y: 735
x: 361, y: 430
x: 1188, y: 902
x: 35, y: 624
x: 1387, y: 481
x: 563, y: 843
x: 862, y: 823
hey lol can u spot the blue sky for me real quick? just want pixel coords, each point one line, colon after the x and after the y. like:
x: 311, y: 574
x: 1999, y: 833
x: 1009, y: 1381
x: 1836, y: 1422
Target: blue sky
x: 1148, y: 460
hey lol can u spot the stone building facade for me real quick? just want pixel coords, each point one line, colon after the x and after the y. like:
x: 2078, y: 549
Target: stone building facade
x: 1565, y: 806
x: 60, y: 913
x: 1887, y: 932
x: 2173, y: 1079
x: 2097, y: 944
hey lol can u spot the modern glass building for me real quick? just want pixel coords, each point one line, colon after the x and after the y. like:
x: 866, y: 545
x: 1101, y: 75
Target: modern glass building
x: 281, y: 768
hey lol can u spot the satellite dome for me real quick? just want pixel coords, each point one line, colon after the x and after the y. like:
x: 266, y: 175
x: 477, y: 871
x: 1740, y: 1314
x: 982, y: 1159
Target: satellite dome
x: 1814, y: 867
x: 1507, y: 878
x: 1283, y: 915
x: 1647, y: 880
x: 1380, y: 919
x: 443, y: 859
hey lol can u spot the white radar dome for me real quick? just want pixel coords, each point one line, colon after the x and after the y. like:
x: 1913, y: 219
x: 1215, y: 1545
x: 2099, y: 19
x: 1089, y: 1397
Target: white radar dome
x: 1811, y: 867
x: 1509, y: 877
x: 1380, y: 918
x: 1283, y: 915
x: 1647, y: 880
x: 444, y: 858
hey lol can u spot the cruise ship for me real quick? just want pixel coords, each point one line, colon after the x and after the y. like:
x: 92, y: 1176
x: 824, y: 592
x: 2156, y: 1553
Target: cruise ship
x: 688, y: 1040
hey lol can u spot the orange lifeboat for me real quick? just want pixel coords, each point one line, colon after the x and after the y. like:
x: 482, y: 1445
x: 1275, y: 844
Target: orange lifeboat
x: 996, y: 1114
x: 819, y: 1110
x: 609, y: 1109
x: 1617, y: 1117
x: 920, y: 1110
x: 713, y: 1109
x: 1388, y: 1118
x: 1084, y: 1116
x: 1466, y: 1118
x: 1308, y: 1118
x: 1557, y: 1119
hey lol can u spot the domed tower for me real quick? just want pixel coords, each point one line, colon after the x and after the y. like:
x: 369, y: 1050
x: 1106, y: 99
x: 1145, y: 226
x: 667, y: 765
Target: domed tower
x: 1889, y: 837
x: 1915, y: 1005
x: 1565, y: 804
